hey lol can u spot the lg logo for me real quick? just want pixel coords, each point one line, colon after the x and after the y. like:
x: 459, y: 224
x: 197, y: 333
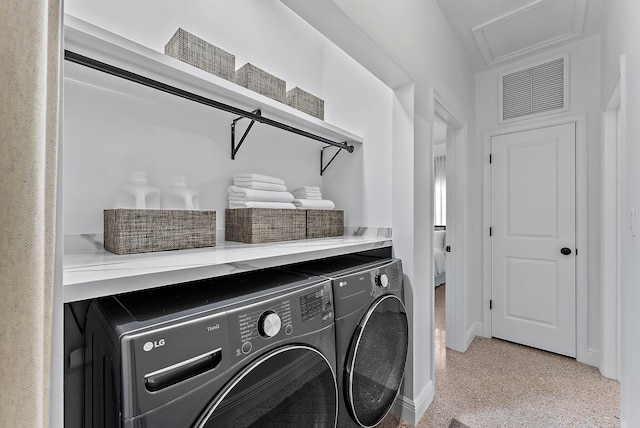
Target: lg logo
x: 155, y: 344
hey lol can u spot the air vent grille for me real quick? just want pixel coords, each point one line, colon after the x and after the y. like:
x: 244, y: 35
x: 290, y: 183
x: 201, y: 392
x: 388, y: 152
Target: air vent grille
x: 535, y: 90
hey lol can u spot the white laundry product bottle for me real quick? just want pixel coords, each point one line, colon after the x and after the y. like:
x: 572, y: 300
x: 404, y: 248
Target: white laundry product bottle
x: 180, y: 197
x: 137, y: 193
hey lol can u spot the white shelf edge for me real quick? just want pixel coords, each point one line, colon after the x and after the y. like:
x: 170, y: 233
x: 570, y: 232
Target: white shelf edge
x: 89, y: 40
x: 92, y: 275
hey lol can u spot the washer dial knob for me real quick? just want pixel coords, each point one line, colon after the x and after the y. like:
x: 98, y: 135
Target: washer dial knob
x: 269, y: 324
x: 382, y: 280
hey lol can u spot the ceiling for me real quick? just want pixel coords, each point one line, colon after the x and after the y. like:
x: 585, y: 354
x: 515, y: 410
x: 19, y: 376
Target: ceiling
x: 494, y: 32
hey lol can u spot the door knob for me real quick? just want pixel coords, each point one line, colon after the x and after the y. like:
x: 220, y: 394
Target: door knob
x: 566, y: 251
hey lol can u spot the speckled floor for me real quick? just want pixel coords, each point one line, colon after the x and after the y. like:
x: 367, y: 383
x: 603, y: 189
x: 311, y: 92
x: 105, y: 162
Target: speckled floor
x: 501, y: 384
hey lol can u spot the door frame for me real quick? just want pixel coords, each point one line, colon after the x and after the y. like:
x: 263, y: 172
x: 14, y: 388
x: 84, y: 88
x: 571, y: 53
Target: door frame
x: 456, y: 338
x: 580, y: 121
x: 613, y: 137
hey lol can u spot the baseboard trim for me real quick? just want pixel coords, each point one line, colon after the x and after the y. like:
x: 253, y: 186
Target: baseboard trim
x: 476, y: 329
x: 593, y: 357
x: 412, y: 410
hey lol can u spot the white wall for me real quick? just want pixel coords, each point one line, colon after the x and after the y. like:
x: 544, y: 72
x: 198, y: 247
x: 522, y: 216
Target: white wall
x: 120, y: 133
x: 620, y: 35
x: 417, y: 38
x: 584, y: 97
x: 254, y: 31
x: 362, y: 104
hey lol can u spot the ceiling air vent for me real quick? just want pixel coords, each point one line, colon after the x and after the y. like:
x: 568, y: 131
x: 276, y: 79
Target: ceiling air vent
x: 535, y: 91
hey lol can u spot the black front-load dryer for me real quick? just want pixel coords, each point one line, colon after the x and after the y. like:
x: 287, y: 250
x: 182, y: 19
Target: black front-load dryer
x: 372, y: 334
x: 249, y: 350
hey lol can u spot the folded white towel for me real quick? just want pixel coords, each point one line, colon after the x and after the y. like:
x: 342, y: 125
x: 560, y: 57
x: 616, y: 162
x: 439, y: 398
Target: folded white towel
x: 310, y: 204
x: 258, y: 177
x: 259, y: 195
x: 257, y: 204
x: 307, y: 194
x: 308, y: 189
x: 258, y: 185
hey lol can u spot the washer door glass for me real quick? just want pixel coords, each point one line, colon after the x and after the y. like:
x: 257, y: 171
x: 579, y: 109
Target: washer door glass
x: 289, y: 386
x: 376, y: 360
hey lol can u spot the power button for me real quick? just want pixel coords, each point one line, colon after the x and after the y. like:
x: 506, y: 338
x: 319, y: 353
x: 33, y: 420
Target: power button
x: 246, y: 347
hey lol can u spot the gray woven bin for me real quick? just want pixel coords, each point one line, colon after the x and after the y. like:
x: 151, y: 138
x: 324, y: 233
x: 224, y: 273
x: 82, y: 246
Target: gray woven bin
x: 131, y: 231
x: 305, y: 102
x: 324, y: 223
x: 258, y: 80
x: 260, y: 225
x: 198, y: 52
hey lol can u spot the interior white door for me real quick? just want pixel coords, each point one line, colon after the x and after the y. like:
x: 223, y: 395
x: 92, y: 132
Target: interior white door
x: 533, y: 229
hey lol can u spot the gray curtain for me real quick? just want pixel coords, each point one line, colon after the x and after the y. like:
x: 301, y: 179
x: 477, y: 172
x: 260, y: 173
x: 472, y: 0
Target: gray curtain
x: 29, y: 87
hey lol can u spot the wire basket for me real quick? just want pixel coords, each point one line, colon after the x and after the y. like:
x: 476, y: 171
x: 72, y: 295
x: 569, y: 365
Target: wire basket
x: 131, y: 231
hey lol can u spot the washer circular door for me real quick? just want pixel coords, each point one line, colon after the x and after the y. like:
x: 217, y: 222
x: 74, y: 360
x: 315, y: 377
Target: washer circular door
x: 293, y: 385
x: 376, y: 360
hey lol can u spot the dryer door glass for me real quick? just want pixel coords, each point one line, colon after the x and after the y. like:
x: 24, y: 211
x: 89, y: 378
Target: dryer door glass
x: 290, y: 386
x: 376, y: 360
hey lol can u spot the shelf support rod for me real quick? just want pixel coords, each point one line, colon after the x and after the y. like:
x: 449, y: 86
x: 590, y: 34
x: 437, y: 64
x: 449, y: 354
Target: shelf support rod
x: 234, y: 147
x: 151, y: 83
x: 324, y: 167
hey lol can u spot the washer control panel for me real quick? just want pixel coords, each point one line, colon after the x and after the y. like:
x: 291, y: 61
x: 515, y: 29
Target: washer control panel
x: 316, y: 303
x: 269, y: 324
x: 262, y: 322
x: 301, y: 311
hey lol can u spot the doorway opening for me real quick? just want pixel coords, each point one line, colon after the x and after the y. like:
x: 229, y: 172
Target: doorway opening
x: 440, y: 233
x: 448, y: 190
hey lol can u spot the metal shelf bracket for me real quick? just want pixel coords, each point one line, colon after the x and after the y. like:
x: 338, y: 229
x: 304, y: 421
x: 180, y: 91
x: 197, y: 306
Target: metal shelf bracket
x: 234, y: 147
x: 324, y: 167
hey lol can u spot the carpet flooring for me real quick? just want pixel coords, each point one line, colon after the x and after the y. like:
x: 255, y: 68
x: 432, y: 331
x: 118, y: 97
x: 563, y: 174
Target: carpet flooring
x: 501, y: 384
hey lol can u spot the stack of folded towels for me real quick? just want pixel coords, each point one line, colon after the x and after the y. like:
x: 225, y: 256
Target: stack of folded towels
x: 259, y: 191
x: 310, y: 198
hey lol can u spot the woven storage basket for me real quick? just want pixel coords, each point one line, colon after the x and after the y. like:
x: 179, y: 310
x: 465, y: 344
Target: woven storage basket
x: 130, y: 231
x: 198, y: 52
x: 305, y: 102
x: 325, y: 223
x: 260, y: 225
x: 258, y: 80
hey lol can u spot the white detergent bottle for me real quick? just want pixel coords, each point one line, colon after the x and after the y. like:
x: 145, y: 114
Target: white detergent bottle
x: 137, y: 193
x: 180, y: 197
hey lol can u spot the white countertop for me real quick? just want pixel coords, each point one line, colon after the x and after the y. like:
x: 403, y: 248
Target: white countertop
x: 90, y: 274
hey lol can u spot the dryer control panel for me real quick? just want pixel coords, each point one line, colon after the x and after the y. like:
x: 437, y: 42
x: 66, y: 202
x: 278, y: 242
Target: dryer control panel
x: 256, y: 326
x: 352, y: 289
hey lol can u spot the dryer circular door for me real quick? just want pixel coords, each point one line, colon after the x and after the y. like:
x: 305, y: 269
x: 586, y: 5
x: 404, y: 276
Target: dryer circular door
x: 376, y: 360
x: 290, y: 386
